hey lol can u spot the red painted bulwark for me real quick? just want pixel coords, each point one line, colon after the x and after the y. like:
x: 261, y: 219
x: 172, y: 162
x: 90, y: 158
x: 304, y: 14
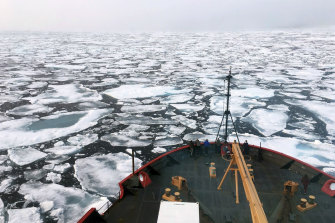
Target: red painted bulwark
x: 326, y: 188
x: 86, y: 215
x: 145, y: 179
x: 184, y: 147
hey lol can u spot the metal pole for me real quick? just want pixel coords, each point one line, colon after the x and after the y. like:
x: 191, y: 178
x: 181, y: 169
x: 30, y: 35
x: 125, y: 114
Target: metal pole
x: 133, y: 159
x: 227, y: 112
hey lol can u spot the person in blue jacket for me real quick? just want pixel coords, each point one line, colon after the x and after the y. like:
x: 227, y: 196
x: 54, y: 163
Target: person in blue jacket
x: 206, y: 146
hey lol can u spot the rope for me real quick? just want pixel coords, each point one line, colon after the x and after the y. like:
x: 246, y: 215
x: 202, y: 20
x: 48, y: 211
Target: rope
x: 217, y: 135
x: 235, y: 128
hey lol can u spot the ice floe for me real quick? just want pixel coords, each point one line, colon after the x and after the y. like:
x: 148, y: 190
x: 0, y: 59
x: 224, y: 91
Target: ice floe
x: 266, y: 121
x: 26, y: 110
x: 324, y: 110
x: 185, y: 121
x: 198, y: 135
x: 26, y: 156
x: 102, y: 173
x: 188, y: 108
x: 70, y: 202
x: 5, y: 184
x: 82, y: 140
x: 175, y: 130
x: 142, y: 91
x: 158, y: 150
x: 70, y: 93
x: 54, y: 177
x: 35, y: 174
x: 27, y: 131
x: 63, y: 150
x: 142, y: 108
x: 116, y: 139
x: 24, y: 215
x: 179, y: 98
x: 144, y: 120
x: 168, y: 141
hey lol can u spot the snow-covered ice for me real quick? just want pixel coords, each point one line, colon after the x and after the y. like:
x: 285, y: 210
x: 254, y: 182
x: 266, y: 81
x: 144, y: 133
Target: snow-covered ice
x: 158, y: 150
x: 92, y: 171
x: 168, y: 141
x: 122, y: 140
x: 25, y: 156
x: 24, y: 215
x: 70, y: 93
x: 142, y: 108
x: 71, y: 201
x: 187, y: 108
x: 185, y: 121
x: 27, y: 131
x: 142, y: 91
x: 266, y: 121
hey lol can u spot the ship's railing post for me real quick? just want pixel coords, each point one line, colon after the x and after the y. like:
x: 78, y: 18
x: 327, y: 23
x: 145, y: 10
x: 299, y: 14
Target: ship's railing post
x: 133, y: 160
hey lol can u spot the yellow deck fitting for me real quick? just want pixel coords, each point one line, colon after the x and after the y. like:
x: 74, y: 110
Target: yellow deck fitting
x: 212, y: 170
x: 305, y: 206
x: 290, y: 187
x: 179, y: 182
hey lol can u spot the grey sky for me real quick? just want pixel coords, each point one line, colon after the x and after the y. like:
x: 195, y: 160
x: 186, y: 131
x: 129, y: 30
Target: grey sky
x: 168, y: 15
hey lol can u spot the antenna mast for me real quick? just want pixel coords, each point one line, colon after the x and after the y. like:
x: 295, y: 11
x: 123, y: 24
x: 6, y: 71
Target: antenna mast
x: 227, y: 112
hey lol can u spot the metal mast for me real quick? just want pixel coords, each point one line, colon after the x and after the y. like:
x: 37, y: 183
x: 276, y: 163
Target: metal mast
x: 227, y: 112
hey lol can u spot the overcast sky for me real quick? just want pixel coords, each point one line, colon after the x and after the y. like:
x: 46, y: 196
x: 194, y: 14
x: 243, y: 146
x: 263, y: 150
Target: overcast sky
x: 167, y: 15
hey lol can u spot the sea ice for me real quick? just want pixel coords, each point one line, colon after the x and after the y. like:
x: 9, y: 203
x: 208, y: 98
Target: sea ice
x: 185, y: 121
x: 62, y: 168
x: 35, y: 174
x: 3, y: 158
x: 137, y: 128
x: 26, y: 156
x: 46, y: 206
x: 175, y: 130
x: 143, y: 120
x: 187, y: 108
x: 71, y: 201
x: 54, y: 177
x: 253, y: 92
x: 142, y: 108
x: 267, y: 122
x: 82, y: 140
x: 179, y: 98
x: 26, y: 110
x: 65, y: 66
x: 27, y: 131
x: 142, y: 91
x: 5, y: 184
x: 325, y: 112
x: 102, y: 173
x: 168, y: 141
x: 116, y: 139
x: 198, y: 135
x: 24, y: 215
x: 63, y: 150
x: 37, y: 85
x: 69, y: 93
x: 2, y: 209
x: 158, y: 150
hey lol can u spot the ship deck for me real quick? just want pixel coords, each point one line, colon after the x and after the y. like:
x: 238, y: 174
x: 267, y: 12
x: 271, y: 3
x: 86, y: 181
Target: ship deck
x: 142, y: 204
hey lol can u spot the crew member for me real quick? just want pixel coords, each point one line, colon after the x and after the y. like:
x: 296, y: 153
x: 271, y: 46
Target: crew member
x: 246, y: 148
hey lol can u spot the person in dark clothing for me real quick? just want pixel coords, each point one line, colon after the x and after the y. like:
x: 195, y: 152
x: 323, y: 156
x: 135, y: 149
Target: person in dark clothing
x: 218, y: 145
x: 225, y: 150
x: 197, y: 146
x: 246, y: 148
x: 191, y: 144
x: 206, y: 146
x: 305, y: 182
